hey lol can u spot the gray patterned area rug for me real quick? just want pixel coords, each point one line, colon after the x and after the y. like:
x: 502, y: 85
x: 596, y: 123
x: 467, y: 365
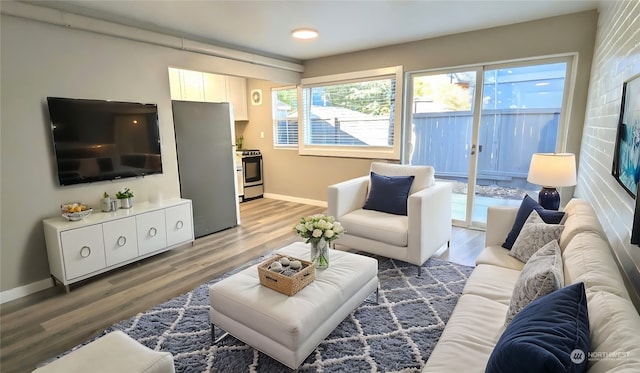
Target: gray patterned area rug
x: 395, y: 335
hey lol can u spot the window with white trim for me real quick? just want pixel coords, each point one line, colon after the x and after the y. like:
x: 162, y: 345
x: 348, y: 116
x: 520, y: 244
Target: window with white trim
x: 284, y: 111
x: 353, y: 114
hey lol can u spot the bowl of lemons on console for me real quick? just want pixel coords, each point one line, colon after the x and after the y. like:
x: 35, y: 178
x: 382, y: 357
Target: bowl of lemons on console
x: 75, y: 211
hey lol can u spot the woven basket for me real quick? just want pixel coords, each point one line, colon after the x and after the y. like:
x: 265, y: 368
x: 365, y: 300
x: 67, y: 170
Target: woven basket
x: 288, y: 285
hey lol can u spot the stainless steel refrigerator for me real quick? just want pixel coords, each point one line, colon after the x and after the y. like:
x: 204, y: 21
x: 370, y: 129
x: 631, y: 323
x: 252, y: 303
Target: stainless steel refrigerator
x: 206, y: 155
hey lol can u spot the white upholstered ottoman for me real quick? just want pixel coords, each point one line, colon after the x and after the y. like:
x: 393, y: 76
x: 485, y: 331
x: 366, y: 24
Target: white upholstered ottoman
x: 289, y: 328
x: 115, y: 352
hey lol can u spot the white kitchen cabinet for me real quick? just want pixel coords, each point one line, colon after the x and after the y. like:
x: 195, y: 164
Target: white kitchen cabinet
x: 215, y: 88
x: 78, y: 250
x: 237, y: 95
x: 192, y: 85
x: 187, y: 85
x: 152, y: 231
x: 120, y: 240
x: 175, y: 84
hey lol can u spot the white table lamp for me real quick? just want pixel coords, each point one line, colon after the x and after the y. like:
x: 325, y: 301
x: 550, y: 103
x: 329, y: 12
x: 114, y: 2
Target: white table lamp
x: 551, y: 170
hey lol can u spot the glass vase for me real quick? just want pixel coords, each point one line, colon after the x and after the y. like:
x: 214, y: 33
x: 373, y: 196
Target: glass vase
x: 320, y: 253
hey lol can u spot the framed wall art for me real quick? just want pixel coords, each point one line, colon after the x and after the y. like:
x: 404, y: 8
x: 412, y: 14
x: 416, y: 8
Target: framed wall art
x: 626, y: 158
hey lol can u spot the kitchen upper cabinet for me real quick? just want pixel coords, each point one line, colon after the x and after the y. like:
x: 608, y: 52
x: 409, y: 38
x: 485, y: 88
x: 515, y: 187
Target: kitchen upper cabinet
x: 175, y: 84
x: 192, y: 85
x: 237, y: 93
x: 187, y: 85
x: 215, y: 88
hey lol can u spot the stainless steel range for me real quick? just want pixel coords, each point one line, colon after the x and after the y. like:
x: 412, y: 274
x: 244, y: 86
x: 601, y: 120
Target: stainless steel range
x: 252, y: 182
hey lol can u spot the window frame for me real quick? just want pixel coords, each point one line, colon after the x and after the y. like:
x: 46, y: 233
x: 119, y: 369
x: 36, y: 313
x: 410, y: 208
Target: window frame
x: 571, y: 59
x: 564, y: 121
x: 274, y: 120
x: 373, y: 152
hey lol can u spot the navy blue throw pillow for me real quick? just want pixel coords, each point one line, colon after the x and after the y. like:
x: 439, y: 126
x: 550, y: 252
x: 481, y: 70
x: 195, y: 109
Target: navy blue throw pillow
x: 389, y: 194
x: 551, y: 334
x: 528, y: 205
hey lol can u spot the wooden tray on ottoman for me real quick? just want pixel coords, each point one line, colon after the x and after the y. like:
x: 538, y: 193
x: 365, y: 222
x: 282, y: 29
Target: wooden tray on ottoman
x: 288, y: 285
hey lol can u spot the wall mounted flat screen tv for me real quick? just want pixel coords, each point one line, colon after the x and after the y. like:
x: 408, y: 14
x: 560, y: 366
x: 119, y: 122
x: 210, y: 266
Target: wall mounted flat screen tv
x: 96, y: 140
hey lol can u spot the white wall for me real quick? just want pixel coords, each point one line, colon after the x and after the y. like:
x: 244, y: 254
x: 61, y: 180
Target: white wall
x: 40, y: 60
x: 616, y: 59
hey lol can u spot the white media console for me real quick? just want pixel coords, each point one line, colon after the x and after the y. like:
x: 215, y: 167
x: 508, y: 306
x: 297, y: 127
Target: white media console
x: 106, y: 240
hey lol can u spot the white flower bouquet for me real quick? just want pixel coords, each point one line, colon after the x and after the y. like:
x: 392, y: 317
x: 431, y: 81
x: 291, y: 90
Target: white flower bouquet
x: 316, y: 227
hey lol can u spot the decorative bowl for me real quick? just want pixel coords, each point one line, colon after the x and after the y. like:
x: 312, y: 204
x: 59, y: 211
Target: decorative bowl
x: 75, y: 215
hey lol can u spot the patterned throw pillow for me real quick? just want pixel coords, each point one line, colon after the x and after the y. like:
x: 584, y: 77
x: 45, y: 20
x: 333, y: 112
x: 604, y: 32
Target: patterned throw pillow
x: 541, y: 275
x: 534, y: 234
x: 526, y: 206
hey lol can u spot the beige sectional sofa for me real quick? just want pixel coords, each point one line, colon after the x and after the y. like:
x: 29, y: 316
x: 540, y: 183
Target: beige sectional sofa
x: 478, y: 319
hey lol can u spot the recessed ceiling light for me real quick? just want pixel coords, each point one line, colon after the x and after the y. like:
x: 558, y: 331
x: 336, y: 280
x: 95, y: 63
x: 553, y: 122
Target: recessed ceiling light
x: 304, y: 33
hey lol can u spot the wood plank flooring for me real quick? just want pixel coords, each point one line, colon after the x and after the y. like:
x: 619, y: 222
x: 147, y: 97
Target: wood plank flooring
x: 43, y: 325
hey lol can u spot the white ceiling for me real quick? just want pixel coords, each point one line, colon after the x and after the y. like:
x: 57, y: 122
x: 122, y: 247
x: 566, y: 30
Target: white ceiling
x: 264, y: 27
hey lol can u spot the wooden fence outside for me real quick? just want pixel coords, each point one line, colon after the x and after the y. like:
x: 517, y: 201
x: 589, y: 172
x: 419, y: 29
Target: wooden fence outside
x: 508, y: 138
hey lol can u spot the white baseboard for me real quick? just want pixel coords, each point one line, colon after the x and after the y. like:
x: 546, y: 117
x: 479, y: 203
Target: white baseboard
x: 313, y: 202
x: 23, y: 291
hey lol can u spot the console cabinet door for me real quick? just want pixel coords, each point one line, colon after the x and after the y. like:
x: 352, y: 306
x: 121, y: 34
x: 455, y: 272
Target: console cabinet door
x: 152, y: 232
x: 83, y: 250
x: 179, y: 224
x: 120, y: 241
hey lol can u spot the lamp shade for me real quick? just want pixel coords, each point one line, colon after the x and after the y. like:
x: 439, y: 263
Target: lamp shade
x: 552, y: 169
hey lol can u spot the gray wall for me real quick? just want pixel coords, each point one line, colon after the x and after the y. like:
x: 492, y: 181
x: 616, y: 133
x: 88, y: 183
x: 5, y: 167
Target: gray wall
x: 616, y: 59
x: 40, y: 60
x: 573, y: 33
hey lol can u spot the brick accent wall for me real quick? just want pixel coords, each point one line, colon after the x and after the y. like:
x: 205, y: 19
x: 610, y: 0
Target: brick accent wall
x: 616, y: 60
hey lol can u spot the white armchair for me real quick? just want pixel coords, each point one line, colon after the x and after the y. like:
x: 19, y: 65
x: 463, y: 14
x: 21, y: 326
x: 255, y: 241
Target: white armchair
x: 412, y: 238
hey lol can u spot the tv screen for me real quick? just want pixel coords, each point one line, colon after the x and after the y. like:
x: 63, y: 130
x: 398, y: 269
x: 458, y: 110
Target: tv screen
x: 96, y: 140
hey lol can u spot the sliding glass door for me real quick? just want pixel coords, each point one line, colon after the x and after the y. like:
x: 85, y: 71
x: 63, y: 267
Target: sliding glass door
x: 478, y: 127
x: 442, y: 117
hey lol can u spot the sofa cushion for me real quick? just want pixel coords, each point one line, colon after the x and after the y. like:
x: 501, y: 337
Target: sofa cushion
x: 551, y: 334
x: 540, y: 276
x: 587, y: 258
x: 471, y: 333
x: 377, y: 226
x: 580, y: 218
x: 424, y: 175
x: 492, y: 282
x: 498, y: 256
x: 534, y: 234
x: 526, y: 206
x: 389, y: 193
x: 615, y: 342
